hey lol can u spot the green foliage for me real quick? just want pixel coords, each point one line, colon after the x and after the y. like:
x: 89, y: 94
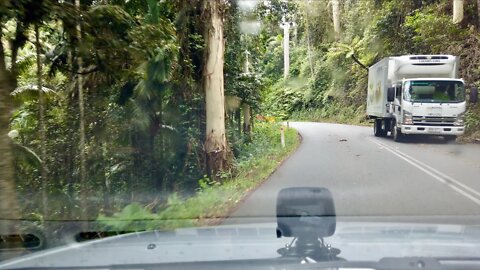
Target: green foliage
x: 433, y: 31
x: 212, y: 201
x: 273, y: 60
x: 333, y: 113
x: 275, y: 12
x: 282, y: 103
x: 131, y: 218
x: 247, y: 87
x: 472, y: 119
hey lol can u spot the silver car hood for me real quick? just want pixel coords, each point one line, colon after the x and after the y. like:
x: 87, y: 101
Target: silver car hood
x: 358, y: 241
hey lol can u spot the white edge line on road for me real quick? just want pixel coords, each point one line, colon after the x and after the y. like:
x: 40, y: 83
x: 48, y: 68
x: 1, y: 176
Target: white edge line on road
x: 451, y: 179
x: 451, y: 183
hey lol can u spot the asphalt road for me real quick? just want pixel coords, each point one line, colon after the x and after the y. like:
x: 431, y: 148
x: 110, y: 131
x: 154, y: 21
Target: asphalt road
x: 423, y: 179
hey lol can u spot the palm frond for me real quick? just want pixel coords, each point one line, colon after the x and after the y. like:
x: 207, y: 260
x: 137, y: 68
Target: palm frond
x: 27, y: 154
x: 24, y: 62
x: 32, y: 88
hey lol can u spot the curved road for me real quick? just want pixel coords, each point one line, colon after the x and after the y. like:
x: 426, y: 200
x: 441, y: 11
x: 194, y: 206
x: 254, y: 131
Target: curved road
x: 422, y: 179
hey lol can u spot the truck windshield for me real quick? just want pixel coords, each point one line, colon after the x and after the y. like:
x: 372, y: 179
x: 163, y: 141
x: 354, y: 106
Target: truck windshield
x: 434, y: 91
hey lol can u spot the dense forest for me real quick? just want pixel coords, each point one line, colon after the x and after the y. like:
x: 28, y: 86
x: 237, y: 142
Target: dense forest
x: 334, y: 42
x: 110, y: 102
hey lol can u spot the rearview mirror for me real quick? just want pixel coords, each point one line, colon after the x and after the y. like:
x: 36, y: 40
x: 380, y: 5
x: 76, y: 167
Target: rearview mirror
x: 305, y: 212
x: 473, y: 95
x: 391, y: 94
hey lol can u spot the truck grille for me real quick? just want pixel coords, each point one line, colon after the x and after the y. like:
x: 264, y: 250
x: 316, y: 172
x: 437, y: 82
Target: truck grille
x: 424, y: 57
x: 433, y: 121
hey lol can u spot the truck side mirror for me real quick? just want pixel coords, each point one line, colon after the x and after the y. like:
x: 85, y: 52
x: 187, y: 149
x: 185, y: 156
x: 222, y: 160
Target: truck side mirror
x: 474, y: 95
x: 391, y: 94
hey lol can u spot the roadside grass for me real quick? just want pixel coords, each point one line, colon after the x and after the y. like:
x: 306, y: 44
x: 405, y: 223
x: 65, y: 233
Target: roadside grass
x: 333, y: 113
x: 472, y: 122
x: 214, y: 200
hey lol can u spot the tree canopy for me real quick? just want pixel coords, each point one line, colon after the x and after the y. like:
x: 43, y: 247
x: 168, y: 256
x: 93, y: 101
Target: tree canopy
x: 109, y: 102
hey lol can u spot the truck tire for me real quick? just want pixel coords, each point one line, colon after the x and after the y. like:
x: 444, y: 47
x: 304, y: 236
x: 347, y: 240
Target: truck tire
x: 385, y: 128
x: 396, y: 133
x: 388, y: 126
x: 378, y: 128
x: 450, y: 138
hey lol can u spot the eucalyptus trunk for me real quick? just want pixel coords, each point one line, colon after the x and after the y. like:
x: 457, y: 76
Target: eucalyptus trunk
x: 8, y: 201
x: 457, y: 11
x: 478, y: 12
x: 213, y: 82
x: 336, y: 18
x: 309, y: 49
x: 286, y: 49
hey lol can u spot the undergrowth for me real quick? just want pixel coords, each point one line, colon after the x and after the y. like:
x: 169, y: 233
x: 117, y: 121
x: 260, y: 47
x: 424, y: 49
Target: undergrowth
x: 213, y: 200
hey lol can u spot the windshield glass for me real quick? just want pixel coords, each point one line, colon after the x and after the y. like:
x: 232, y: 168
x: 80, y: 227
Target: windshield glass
x: 434, y: 91
x: 138, y: 131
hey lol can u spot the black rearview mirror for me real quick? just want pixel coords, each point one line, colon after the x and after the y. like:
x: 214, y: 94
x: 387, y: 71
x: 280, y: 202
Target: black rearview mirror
x: 391, y: 94
x: 473, y: 95
x: 305, y: 212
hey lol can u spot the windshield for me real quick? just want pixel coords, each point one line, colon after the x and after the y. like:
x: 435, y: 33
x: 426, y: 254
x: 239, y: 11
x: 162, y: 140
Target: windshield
x: 434, y: 91
x: 167, y: 131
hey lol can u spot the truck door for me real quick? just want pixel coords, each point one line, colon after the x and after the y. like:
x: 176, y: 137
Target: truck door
x: 397, y: 103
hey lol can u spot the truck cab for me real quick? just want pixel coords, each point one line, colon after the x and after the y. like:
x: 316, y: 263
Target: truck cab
x: 433, y: 106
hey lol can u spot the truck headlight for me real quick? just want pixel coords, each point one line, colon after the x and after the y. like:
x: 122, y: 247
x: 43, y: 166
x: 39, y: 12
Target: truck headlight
x: 407, y: 118
x: 460, y: 120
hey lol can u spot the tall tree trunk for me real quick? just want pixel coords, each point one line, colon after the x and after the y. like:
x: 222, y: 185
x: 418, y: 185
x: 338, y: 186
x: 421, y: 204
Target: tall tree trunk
x: 238, y: 118
x: 246, y: 67
x: 478, y: 13
x: 245, y: 106
x: 81, y: 144
x: 309, y: 49
x: 69, y: 175
x: 286, y: 49
x: 107, y: 192
x: 41, y: 125
x: 457, y: 11
x: 213, y: 82
x: 246, y: 118
x: 336, y: 18
x: 8, y: 201
x: 16, y: 44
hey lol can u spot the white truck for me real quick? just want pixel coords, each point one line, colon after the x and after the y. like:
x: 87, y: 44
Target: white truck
x: 417, y: 94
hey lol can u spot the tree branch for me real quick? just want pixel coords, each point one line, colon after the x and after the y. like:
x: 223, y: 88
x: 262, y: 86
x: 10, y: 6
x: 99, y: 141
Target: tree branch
x: 358, y: 62
x: 86, y: 71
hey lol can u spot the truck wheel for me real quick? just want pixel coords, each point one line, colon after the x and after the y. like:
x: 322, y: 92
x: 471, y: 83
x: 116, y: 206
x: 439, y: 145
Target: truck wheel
x: 396, y: 133
x: 388, y: 126
x: 449, y: 138
x: 384, y: 130
x: 377, y: 128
